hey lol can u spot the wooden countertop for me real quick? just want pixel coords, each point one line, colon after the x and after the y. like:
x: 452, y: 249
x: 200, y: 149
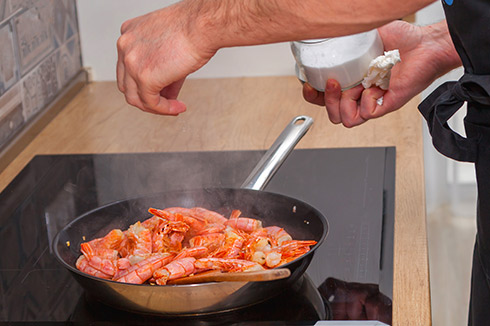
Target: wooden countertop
x: 245, y: 114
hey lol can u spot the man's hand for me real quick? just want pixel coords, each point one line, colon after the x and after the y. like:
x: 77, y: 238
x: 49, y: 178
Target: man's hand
x: 426, y: 53
x: 156, y: 52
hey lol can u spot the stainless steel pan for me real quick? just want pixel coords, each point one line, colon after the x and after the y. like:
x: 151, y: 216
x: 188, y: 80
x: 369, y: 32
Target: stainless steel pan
x: 301, y: 220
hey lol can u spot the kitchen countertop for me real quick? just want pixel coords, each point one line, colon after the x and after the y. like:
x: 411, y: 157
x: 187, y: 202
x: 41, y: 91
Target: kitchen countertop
x: 247, y: 114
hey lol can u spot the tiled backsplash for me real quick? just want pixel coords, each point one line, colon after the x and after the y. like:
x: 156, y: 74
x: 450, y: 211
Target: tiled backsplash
x: 39, y: 54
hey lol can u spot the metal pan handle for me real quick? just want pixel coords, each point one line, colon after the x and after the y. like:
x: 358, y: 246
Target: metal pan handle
x: 277, y: 153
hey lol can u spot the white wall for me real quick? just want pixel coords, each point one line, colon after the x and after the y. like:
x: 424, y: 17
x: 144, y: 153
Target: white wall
x: 100, y: 22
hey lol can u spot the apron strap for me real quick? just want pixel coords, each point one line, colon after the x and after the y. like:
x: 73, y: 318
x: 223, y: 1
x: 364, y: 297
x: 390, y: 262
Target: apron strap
x: 443, y: 103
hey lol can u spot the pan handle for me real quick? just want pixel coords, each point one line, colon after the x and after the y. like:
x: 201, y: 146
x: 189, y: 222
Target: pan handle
x: 277, y: 153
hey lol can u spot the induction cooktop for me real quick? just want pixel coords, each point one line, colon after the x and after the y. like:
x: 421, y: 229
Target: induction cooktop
x: 349, y: 278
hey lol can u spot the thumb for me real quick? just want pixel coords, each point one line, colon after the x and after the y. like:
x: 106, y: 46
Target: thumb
x: 172, y: 91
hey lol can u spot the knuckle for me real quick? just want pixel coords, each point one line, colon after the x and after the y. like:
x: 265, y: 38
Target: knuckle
x: 125, y: 26
x: 132, y: 100
x: 348, y: 124
x: 131, y: 60
x: 122, y: 42
x: 147, y: 101
x: 334, y: 120
x: 366, y: 115
x: 145, y: 75
x: 146, y: 104
x: 121, y: 87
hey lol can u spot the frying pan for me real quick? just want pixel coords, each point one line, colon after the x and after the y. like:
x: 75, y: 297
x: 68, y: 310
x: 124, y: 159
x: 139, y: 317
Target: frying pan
x: 299, y: 219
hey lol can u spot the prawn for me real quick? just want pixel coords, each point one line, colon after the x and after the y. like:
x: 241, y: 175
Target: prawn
x: 196, y: 252
x: 256, y: 248
x: 170, y: 236
x: 288, y: 251
x: 103, y: 246
x: 176, y: 242
x: 176, y: 269
x: 138, y: 244
x: 212, y: 241
x: 232, y: 246
x: 143, y: 270
x: 246, y: 224
x: 278, y: 234
x: 209, y: 216
x: 98, y: 259
x: 83, y: 265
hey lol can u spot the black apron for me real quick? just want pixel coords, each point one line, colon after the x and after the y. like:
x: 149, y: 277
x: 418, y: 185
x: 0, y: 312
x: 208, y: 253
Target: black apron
x: 469, y: 25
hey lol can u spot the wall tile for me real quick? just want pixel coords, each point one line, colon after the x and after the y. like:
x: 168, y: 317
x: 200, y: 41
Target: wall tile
x: 71, y: 11
x: 59, y: 21
x: 4, y: 9
x: 8, y: 67
x: 34, y: 38
x: 39, y: 54
x: 70, y: 62
x: 19, y: 4
x: 40, y: 86
x: 11, y: 117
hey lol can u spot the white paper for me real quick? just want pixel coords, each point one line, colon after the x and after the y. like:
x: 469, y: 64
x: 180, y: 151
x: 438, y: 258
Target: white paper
x: 379, y: 70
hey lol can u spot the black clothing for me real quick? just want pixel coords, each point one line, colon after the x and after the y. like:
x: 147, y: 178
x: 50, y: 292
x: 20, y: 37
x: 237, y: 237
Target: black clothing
x: 469, y: 25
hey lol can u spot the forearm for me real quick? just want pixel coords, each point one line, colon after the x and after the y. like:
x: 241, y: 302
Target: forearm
x: 439, y: 44
x: 226, y: 23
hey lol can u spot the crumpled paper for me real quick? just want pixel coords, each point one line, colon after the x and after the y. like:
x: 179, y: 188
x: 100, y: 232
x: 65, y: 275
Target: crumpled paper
x: 379, y: 70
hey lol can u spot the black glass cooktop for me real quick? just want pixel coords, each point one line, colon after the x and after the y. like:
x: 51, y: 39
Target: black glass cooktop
x: 349, y: 278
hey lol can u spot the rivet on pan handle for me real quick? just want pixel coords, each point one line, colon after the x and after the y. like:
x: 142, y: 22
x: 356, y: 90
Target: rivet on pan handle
x: 277, y: 153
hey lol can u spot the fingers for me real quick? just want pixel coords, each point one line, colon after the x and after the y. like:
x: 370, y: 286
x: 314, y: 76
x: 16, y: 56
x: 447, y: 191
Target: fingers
x: 120, y: 72
x: 370, y: 108
x: 312, y: 95
x: 126, y: 25
x: 332, y: 100
x: 139, y: 95
x: 358, y: 105
x: 151, y: 101
x: 173, y: 90
x: 155, y: 103
x: 136, y: 78
x: 351, y: 107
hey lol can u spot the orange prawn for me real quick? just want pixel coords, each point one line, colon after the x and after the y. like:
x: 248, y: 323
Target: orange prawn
x: 246, y: 224
x: 143, y: 270
x: 175, y: 269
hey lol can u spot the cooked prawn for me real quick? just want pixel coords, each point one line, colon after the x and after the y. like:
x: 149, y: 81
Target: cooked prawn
x: 175, y: 269
x: 176, y: 242
x: 143, y: 270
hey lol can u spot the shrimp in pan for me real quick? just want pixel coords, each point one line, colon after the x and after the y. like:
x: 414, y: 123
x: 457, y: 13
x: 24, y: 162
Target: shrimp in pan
x: 177, y: 242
